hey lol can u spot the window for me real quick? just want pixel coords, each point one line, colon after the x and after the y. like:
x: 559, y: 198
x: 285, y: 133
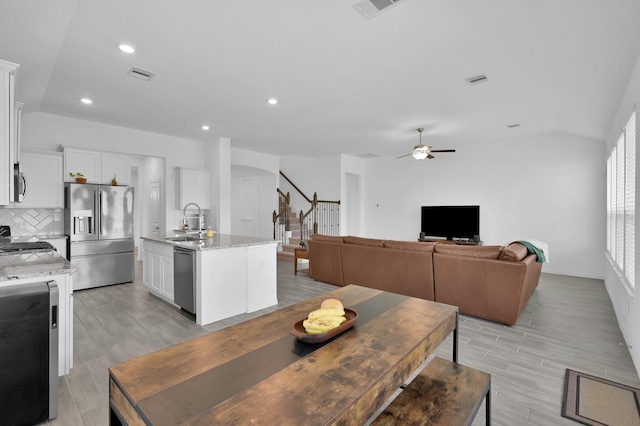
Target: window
x: 621, y: 203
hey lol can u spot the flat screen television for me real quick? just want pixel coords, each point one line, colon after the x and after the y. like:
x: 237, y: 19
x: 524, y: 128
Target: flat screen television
x: 450, y: 222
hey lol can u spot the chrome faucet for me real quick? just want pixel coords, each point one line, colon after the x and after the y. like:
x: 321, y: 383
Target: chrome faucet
x: 184, y: 216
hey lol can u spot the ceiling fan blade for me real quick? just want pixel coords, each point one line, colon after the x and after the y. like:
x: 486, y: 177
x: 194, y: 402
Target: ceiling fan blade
x: 443, y: 150
x: 429, y: 156
x: 406, y: 155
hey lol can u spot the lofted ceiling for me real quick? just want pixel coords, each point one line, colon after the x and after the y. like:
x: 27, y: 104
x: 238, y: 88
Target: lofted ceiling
x: 344, y: 84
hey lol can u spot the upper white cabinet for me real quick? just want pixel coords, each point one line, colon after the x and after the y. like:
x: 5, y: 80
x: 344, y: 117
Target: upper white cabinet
x: 192, y: 186
x: 116, y: 166
x: 80, y: 161
x: 43, y: 174
x: 8, y: 73
x: 96, y: 166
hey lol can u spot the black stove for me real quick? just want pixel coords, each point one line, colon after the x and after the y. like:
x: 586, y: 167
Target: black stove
x: 25, y: 247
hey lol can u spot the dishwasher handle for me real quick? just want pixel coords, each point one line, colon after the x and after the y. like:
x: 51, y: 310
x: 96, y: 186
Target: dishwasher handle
x: 183, y: 250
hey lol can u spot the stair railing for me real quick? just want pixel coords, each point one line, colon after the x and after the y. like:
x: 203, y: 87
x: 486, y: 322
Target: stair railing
x: 323, y: 216
x: 281, y: 223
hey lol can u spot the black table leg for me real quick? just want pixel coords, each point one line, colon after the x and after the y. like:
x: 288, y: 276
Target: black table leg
x: 487, y: 403
x: 455, y: 340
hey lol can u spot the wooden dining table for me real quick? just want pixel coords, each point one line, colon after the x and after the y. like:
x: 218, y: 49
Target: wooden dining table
x: 258, y: 372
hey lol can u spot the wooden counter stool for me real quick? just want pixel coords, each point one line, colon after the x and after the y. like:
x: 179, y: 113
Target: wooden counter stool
x: 299, y: 253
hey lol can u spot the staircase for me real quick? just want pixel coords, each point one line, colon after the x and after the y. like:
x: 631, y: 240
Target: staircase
x: 292, y: 228
x: 294, y: 239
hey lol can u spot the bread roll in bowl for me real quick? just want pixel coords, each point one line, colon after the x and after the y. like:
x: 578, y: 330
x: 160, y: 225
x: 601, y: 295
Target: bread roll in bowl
x: 332, y: 303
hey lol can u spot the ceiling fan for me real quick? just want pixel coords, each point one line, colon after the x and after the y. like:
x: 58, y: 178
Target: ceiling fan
x: 420, y: 152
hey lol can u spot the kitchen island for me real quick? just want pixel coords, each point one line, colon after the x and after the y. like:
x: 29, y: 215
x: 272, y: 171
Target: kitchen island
x: 233, y: 274
x: 19, y: 269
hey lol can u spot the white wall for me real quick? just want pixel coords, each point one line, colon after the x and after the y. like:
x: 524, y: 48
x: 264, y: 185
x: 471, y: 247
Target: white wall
x: 626, y: 305
x: 48, y: 131
x: 352, y: 201
x: 254, y: 180
x: 548, y: 187
x: 253, y: 200
x: 319, y: 175
x: 218, y: 160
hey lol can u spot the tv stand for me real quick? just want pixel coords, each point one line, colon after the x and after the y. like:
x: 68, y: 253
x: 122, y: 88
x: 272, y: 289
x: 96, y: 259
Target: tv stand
x: 444, y: 241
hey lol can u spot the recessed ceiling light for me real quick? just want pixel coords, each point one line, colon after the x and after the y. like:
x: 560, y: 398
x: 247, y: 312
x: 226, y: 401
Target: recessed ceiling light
x: 272, y: 101
x: 86, y: 101
x: 205, y: 127
x: 127, y: 48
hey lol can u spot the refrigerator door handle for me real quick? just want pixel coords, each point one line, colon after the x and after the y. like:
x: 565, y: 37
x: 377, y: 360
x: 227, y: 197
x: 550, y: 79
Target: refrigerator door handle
x: 97, y: 213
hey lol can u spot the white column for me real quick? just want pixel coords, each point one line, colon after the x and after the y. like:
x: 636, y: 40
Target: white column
x: 218, y: 154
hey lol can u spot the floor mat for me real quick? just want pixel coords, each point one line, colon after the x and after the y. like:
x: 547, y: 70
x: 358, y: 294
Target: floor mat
x: 592, y: 400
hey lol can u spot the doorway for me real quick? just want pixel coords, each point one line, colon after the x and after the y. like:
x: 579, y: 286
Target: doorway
x: 154, y: 206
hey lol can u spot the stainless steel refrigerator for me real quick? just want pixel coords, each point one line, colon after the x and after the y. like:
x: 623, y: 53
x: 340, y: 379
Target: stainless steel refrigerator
x: 98, y: 219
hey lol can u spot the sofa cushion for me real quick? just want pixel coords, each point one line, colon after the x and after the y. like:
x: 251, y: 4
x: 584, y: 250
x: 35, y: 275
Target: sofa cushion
x: 371, y: 242
x: 327, y: 238
x: 409, y: 245
x: 514, y: 252
x: 485, y: 252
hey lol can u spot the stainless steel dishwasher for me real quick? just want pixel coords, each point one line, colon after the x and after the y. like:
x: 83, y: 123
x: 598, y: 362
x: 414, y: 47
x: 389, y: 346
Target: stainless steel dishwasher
x: 29, y: 353
x: 184, y: 279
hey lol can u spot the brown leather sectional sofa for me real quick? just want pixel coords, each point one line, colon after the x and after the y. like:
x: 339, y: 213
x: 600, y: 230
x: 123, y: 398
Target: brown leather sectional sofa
x: 490, y: 282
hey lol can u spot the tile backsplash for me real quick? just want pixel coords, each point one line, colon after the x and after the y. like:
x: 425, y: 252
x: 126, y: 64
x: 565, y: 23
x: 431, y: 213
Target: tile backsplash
x: 36, y: 222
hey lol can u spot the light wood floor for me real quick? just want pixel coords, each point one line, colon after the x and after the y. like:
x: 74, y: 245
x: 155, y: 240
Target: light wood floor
x: 568, y: 323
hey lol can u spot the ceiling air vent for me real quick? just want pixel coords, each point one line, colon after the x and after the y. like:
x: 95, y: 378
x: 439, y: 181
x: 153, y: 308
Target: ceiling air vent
x: 141, y: 74
x: 477, y: 79
x: 370, y: 8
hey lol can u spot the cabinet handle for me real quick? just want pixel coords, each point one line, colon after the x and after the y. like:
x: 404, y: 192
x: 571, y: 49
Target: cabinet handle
x: 54, y: 317
x: 24, y: 185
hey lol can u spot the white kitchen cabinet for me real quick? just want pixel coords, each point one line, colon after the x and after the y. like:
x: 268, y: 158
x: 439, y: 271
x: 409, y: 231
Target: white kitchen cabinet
x: 43, y: 173
x: 192, y: 186
x: 8, y: 73
x: 17, y: 138
x: 222, y: 292
x: 117, y: 165
x: 157, y: 272
x: 82, y: 161
x: 146, y: 268
x: 97, y: 166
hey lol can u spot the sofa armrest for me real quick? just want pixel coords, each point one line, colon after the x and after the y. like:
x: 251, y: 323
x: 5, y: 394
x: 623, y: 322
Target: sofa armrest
x: 531, y: 279
x: 493, y: 289
x: 325, y: 261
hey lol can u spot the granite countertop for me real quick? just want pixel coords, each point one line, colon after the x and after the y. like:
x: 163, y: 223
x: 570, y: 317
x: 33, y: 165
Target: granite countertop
x: 28, y: 265
x: 218, y: 241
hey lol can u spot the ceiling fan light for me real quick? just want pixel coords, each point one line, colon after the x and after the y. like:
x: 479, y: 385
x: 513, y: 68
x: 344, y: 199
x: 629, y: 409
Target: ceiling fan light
x: 419, y: 155
x: 420, y: 152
